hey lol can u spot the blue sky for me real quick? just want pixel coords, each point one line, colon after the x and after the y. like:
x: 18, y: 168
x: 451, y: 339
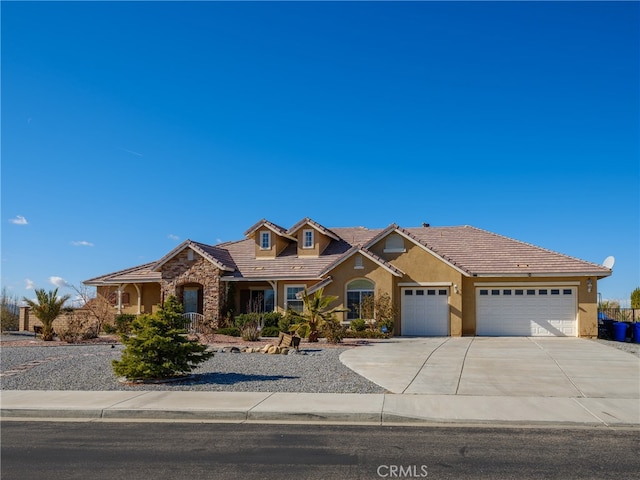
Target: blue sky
x: 129, y: 127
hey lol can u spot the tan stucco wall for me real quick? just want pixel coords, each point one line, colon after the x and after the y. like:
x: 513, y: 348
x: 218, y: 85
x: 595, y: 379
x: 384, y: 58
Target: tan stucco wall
x: 150, y: 301
x: 421, y: 266
x: 320, y: 242
x: 345, y: 273
x: 587, y: 303
x: 278, y: 244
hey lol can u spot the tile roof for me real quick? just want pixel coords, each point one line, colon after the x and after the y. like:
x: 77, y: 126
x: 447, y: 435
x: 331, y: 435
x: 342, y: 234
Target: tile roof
x: 473, y: 251
x: 138, y: 274
x: 314, y: 224
x: 271, y: 226
x: 479, y: 252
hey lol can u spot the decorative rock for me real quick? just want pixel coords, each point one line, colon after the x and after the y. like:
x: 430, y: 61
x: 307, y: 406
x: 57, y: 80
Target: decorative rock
x: 272, y: 350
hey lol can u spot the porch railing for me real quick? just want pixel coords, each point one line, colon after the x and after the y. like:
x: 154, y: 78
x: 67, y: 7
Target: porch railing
x: 194, y: 322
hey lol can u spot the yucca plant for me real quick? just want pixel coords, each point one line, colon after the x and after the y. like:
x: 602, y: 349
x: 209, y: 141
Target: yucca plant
x: 316, y: 312
x: 46, y: 309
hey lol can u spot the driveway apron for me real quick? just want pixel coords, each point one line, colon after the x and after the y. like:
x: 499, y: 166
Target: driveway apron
x: 499, y: 366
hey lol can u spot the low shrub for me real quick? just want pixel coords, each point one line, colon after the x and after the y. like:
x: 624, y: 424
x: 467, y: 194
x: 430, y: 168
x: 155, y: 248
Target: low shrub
x: 334, y: 331
x: 285, y: 322
x: 244, y: 318
x: 123, y: 323
x: 230, y: 331
x: 270, y: 332
x: 365, y: 334
x: 358, y: 325
x: 109, y: 329
x: 272, y: 319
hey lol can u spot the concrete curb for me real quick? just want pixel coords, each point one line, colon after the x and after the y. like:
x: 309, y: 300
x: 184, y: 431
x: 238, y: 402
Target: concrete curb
x: 379, y: 409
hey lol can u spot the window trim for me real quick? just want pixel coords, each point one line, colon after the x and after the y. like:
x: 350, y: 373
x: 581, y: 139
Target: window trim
x: 372, y: 291
x: 262, y: 238
x: 304, y: 239
x: 286, y: 287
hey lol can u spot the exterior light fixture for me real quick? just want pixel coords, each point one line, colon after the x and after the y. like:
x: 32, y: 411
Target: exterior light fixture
x: 455, y: 289
x: 589, y: 285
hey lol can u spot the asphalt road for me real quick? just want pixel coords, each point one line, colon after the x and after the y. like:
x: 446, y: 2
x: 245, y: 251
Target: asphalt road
x: 131, y: 451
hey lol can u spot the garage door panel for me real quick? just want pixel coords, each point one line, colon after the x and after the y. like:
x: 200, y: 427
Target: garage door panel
x: 425, y: 311
x: 539, y: 311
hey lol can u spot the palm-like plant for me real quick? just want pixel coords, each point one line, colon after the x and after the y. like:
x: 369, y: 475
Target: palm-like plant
x: 46, y: 309
x: 316, y: 312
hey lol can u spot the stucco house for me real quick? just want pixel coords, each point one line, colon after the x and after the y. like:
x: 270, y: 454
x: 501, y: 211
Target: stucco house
x: 443, y: 280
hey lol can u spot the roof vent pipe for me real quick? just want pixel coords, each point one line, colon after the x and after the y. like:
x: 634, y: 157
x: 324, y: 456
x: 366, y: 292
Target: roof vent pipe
x: 426, y: 225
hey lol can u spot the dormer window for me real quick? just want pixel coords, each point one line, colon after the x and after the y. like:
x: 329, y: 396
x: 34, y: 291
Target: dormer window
x: 307, y: 239
x: 190, y: 255
x: 394, y: 244
x: 265, y: 240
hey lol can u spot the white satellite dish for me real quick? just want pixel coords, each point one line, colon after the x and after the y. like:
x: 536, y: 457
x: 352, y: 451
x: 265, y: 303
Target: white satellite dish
x: 608, y: 262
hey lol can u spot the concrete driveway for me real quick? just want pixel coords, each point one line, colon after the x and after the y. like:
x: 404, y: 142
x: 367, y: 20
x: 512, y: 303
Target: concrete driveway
x: 504, y: 366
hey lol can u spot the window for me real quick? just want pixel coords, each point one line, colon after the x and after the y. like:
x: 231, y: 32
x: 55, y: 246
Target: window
x: 443, y: 292
x: 419, y: 292
x: 431, y: 292
x: 566, y: 291
x: 261, y: 300
x: 292, y: 302
x: 495, y: 292
x: 265, y: 240
x: 519, y: 292
x: 555, y: 291
x: 484, y: 292
x: 542, y: 292
x: 506, y: 292
x: 394, y: 244
x: 358, y: 265
x: 531, y: 292
x: 408, y: 292
x: 357, y: 291
x: 307, y: 239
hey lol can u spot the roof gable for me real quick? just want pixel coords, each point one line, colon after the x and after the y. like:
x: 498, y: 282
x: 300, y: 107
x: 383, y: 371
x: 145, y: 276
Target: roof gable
x: 277, y: 229
x: 368, y: 254
x: 315, y: 225
x: 208, y: 252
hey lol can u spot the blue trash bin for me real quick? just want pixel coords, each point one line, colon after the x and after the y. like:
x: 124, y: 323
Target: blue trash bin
x: 636, y: 332
x: 619, y: 331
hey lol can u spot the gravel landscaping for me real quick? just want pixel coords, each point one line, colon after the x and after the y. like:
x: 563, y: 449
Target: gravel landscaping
x: 88, y: 367
x: 29, y: 364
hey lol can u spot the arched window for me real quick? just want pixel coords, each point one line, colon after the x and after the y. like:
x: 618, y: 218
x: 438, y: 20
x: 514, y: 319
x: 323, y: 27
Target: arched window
x: 394, y: 244
x: 357, y: 291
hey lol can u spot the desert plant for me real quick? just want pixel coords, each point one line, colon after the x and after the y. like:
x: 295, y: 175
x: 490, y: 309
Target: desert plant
x: 284, y: 324
x: 250, y: 332
x: 316, y: 312
x: 635, y: 298
x: 47, y: 308
x: 158, y: 347
x: 333, y: 330
x: 109, y: 329
x: 80, y: 325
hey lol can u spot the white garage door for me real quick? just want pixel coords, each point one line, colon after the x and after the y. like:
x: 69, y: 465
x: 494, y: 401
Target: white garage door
x: 530, y: 311
x: 425, y: 311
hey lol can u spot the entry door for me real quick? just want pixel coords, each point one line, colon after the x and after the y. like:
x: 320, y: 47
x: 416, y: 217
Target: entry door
x: 190, y: 300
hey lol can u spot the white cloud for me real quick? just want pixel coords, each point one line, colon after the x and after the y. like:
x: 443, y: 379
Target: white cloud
x: 132, y: 152
x: 58, y: 282
x: 82, y: 243
x: 19, y: 220
x: 173, y: 237
x: 29, y: 285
